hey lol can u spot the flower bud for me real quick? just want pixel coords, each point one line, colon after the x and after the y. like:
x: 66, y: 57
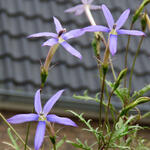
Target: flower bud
x: 139, y: 10
x: 143, y: 21
x: 147, y: 20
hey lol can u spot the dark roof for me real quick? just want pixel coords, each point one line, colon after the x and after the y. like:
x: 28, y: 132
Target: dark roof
x: 20, y: 57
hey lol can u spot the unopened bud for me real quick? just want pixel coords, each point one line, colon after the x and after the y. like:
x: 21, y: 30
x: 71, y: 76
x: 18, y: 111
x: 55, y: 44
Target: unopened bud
x: 44, y: 74
x: 143, y: 21
x: 147, y: 20
x: 139, y: 10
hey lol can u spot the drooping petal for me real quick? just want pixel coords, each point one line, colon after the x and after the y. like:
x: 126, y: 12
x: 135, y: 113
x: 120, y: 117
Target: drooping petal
x: 75, y: 9
x: 113, y: 44
x: 39, y: 136
x: 37, y: 102
x: 108, y: 16
x: 90, y: 1
x: 71, y: 50
x: 43, y: 34
x: 96, y: 28
x: 21, y: 118
x: 122, y: 19
x: 95, y: 7
x: 57, y: 25
x: 131, y: 32
x: 50, y: 103
x: 73, y: 34
x: 50, y: 42
x: 60, y: 120
x: 79, y: 11
x: 84, y: 1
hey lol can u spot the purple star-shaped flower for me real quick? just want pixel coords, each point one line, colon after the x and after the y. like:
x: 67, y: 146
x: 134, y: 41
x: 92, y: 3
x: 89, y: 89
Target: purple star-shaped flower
x: 79, y: 9
x: 42, y: 117
x: 60, y: 37
x: 114, y: 28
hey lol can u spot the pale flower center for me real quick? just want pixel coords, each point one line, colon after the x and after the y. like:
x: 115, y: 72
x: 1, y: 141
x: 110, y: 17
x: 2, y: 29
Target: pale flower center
x: 42, y: 117
x: 60, y: 39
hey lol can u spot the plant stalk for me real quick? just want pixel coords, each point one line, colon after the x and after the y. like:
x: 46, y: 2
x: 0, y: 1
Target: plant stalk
x: 15, y: 132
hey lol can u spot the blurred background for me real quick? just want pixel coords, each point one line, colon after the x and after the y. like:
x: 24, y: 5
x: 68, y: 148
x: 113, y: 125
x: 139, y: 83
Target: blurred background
x: 20, y: 59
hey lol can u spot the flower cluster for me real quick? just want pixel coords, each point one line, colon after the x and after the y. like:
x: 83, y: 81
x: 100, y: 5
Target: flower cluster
x: 60, y: 38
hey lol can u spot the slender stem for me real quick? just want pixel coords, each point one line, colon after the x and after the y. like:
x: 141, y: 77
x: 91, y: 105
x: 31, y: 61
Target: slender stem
x: 126, y: 56
x: 112, y: 68
x: 14, y: 131
x: 50, y: 56
x: 133, y: 64
x: 27, y: 134
x: 108, y: 105
x: 101, y: 100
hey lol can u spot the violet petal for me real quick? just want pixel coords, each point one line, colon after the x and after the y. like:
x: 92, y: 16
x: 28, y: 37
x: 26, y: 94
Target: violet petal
x: 96, y: 28
x: 74, y: 9
x: 43, y: 34
x: 90, y: 1
x: 122, y: 19
x: 57, y: 25
x: 39, y: 135
x: 50, y: 103
x: 131, y: 32
x: 60, y: 120
x: 71, y: 50
x: 50, y: 42
x: 108, y: 16
x: 79, y: 11
x: 37, y: 102
x: 21, y: 118
x: 73, y: 34
x: 95, y: 7
x: 113, y: 44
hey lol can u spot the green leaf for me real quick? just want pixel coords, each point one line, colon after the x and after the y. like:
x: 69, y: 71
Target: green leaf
x: 134, y: 104
x: 79, y: 144
x: 12, y: 139
x: 119, y: 78
x: 139, y: 10
x: 142, y: 91
x: 62, y: 141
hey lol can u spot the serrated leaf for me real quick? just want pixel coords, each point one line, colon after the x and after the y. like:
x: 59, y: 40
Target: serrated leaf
x: 142, y: 91
x: 134, y: 104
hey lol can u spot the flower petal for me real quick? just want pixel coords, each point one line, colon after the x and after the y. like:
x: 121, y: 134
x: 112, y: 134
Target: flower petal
x: 37, y: 102
x: 108, y: 16
x: 73, y: 34
x: 57, y: 25
x: 39, y: 136
x: 131, y: 32
x: 50, y: 42
x: 95, y: 7
x: 90, y: 1
x: 21, y: 118
x: 48, y: 106
x: 43, y: 34
x: 71, y: 50
x: 113, y: 44
x: 96, y: 28
x: 76, y: 9
x: 79, y: 11
x: 122, y: 19
x: 61, y: 120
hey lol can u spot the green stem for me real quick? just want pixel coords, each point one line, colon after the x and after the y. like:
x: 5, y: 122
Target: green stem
x: 14, y: 131
x: 101, y: 100
x: 27, y: 134
x: 126, y: 56
x: 108, y: 105
x: 133, y: 64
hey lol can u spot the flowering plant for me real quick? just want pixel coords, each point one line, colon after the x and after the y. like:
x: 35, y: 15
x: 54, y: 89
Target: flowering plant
x: 116, y: 129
